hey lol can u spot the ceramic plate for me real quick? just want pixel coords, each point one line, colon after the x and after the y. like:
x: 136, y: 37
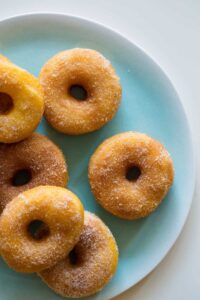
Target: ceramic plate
x: 150, y: 104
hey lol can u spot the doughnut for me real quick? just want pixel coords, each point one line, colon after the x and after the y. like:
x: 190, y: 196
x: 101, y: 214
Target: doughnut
x: 89, y: 266
x: 130, y: 173
x: 56, y: 207
x: 88, y: 71
x: 21, y: 102
x: 29, y: 163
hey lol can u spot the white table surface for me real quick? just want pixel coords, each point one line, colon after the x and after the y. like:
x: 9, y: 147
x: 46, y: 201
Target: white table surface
x: 170, y: 32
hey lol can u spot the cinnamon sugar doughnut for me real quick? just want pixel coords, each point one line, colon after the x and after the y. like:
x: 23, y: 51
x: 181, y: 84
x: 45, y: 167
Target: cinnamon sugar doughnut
x: 90, y: 265
x: 56, y: 207
x: 86, y: 69
x: 130, y: 173
x: 21, y: 102
x: 29, y: 163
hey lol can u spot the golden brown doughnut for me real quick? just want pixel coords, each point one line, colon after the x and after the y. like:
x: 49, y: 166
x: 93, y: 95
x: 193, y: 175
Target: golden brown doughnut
x: 29, y: 163
x: 21, y: 102
x: 59, y: 209
x: 90, y: 265
x: 86, y: 68
x: 126, y: 195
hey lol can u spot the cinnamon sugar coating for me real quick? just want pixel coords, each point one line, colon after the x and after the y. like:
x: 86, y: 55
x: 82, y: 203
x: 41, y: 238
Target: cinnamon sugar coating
x: 108, y: 169
x: 96, y: 262
x: 89, y: 69
x: 39, y: 156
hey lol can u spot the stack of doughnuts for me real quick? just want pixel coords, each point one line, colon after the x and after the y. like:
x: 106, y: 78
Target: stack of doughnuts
x: 43, y: 225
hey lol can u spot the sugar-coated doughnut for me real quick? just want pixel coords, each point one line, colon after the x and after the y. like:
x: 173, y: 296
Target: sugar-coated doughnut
x: 56, y: 207
x: 21, y: 102
x: 90, y: 265
x: 90, y: 70
x: 29, y: 163
x: 130, y: 173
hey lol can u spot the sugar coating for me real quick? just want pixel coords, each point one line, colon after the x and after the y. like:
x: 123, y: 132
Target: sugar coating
x: 89, y: 69
x: 37, y: 154
x: 59, y: 209
x: 107, y: 174
x: 28, y: 103
x: 97, y: 257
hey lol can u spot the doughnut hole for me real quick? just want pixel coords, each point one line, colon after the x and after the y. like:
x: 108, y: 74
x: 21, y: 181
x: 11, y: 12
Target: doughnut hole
x: 78, y: 92
x: 73, y: 257
x: 77, y: 256
x: 133, y: 173
x: 6, y: 103
x: 38, y: 230
x: 21, y: 177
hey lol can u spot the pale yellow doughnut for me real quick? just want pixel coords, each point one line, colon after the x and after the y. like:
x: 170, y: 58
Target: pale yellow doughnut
x: 21, y: 103
x: 59, y: 209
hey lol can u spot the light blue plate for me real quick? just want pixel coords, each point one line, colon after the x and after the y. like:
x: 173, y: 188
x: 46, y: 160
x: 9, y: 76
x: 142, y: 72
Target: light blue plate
x: 150, y: 104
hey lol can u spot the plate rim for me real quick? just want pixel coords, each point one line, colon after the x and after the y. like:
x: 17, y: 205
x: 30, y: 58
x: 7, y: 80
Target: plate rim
x: 193, y: 158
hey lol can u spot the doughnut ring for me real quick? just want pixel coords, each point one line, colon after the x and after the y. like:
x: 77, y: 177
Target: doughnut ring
x: 21, y: 102
x: 56, y: 207
x: 130, y: 173
x: 89, y: 266
x: 29, y: 163
x: 90, y: 71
